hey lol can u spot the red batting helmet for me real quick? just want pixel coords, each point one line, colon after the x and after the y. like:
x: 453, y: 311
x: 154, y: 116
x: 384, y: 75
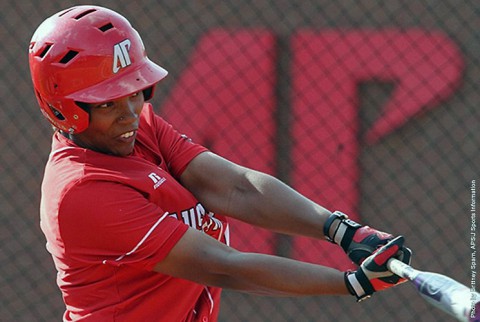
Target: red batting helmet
x: 87, y: 54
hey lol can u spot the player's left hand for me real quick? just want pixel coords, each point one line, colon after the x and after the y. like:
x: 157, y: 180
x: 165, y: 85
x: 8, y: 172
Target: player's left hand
x: 373, y: 274
x: 359, y: 241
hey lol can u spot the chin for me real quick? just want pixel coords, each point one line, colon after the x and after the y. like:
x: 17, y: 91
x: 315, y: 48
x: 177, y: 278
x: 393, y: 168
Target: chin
x: 123, y: 153
x: 122, y: 150
x: 126, y: 152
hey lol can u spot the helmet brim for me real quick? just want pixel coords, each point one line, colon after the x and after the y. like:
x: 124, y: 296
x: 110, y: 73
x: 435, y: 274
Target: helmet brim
x: 136, y: 80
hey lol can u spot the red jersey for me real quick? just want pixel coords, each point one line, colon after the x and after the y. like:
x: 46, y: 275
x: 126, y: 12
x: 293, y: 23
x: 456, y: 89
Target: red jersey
x: 108, y: 220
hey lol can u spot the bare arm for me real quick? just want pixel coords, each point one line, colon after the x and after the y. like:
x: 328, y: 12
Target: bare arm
x: 253, y: 197
x: 202, y: 259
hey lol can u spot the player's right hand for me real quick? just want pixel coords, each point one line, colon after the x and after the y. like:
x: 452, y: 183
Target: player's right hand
x: 373, y: 274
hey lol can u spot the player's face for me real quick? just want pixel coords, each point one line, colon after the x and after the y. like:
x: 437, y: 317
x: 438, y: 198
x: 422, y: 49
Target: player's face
x: 113, y: 126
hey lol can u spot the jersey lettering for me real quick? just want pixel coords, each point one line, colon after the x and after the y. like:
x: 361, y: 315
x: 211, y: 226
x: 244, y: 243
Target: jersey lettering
x: 198, y: 218
x: 192, y: 217
x: 121, y: 56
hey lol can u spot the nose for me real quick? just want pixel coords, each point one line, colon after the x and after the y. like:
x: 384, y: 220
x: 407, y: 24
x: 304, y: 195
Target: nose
x: 128, y: 111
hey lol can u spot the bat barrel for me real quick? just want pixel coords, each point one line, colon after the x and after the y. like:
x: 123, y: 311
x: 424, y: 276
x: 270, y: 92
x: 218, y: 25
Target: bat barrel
x: 441, y: 291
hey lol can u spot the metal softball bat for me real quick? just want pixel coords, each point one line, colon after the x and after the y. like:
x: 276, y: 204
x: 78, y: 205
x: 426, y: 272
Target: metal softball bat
x: 441, y: 291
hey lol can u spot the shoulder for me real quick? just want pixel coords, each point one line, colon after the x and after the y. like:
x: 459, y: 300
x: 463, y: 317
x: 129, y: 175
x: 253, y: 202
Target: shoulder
x: 153, y: 128
x: 150, y: 118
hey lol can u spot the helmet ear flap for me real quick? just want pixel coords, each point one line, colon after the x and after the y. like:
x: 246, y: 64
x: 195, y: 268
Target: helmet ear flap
x: 83, y: 106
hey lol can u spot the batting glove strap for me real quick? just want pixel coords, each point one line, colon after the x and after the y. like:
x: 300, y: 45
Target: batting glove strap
x: 344, y: 232
x: 359, y: 285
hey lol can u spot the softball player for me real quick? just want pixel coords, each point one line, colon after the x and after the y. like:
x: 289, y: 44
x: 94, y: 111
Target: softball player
x: 131, y: 209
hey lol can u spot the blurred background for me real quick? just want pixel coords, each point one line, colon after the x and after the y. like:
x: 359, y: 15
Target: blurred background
x: 368, y: 107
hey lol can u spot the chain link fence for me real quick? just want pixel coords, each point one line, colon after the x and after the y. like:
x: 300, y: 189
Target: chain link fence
x: 369, y: 107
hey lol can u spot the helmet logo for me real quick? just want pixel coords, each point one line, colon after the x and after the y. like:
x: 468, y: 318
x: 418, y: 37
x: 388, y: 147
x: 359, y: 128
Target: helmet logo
x: 121, y: 57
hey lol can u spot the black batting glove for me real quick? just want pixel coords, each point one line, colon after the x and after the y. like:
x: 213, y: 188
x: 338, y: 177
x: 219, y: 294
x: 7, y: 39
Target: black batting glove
x: 373, y: 274
x: 359, y: 241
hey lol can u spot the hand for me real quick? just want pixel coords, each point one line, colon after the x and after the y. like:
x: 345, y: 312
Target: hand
x: 358, y: 241
x: 373, y: 274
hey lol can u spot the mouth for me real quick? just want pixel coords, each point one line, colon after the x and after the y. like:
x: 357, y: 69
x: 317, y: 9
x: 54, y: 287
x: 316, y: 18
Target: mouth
x: 127, y: 135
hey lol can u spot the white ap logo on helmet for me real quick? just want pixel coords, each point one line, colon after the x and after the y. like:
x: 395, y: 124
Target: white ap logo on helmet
x: 121, y: 57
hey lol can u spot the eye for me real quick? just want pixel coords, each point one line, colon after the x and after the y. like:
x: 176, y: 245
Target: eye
x: 104, y: 105
x: 135, y: 94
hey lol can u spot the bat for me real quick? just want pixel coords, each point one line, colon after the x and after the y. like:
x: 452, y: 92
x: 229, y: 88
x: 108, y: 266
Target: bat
x: 441, y: 291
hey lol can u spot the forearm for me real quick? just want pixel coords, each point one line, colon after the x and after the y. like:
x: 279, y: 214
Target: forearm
x: 252, y: 273
x: 265, y: 201
x: 216, y: 264
x: 253, y: 197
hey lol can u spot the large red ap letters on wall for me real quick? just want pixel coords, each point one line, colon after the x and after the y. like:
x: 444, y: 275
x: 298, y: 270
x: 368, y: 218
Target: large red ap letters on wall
x: 226, y: 100
x: 327, y: 68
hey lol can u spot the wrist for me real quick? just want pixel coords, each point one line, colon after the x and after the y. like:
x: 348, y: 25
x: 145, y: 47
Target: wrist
x: 359, y: 285
x: 333, y: 228
x: 348, y: 284
x: 338, y: 229
x: 331, y: 225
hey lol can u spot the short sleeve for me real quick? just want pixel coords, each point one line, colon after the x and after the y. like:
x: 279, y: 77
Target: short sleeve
x: 110, y: 223
x: 176, y: 149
